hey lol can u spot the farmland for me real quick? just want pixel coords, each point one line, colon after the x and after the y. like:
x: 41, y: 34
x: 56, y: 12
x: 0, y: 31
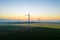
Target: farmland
x: 47, y: 31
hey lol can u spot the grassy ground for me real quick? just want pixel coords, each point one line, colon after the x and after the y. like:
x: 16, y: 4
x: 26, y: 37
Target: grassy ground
x: 37, y: 31
x: 41, y: 25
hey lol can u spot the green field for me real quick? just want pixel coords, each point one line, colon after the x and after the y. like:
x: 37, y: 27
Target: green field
x: 37, y: 31
x: 37, y: 25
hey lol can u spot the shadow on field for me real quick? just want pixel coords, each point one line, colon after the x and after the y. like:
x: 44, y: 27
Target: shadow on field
x: 14, y: 33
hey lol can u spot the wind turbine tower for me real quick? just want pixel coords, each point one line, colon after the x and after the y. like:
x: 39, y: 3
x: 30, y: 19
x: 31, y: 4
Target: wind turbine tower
x: 28, y: 20
x: 38, y: 20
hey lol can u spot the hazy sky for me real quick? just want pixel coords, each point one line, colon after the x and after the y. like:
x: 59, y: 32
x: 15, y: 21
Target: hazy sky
x: 44, y: 9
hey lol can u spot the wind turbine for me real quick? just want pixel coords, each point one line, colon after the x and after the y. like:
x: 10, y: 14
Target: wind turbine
x: 38, y: 20
x: 28, y: 20
x: 18, y: 20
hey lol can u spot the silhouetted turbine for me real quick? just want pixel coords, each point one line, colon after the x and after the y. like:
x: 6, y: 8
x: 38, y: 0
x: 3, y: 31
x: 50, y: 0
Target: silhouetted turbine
x: 28, y: 20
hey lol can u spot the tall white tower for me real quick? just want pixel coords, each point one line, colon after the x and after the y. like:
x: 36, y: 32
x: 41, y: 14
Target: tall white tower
x: 38, y: 20
x: 28, y: 20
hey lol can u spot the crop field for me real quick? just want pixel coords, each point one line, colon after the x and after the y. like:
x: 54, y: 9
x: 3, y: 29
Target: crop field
x: 42, y: 25
x: 36, y: 25
x: 46, y: 31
